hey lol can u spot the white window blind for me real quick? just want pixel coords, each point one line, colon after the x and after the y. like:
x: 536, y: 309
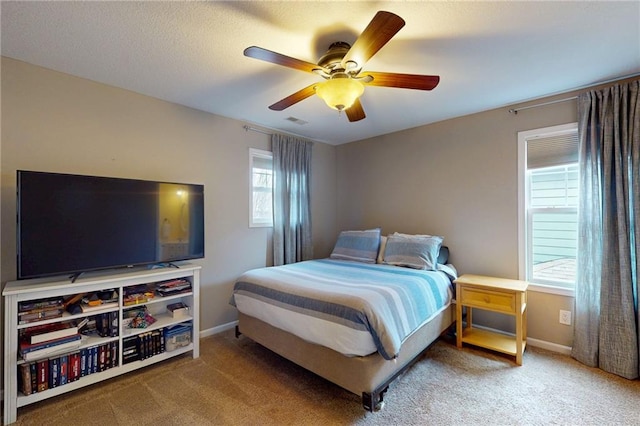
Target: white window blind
x: 549, y: 151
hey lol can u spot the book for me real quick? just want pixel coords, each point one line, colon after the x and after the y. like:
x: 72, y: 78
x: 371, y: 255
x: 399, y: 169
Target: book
x: 114, y: 330
x: 175, y: 283
x: 54, y: 372
x: 31, y: 305
x: 107, y: 305
x: 65, y: 347
x: 25, y: 377
x: 102, y: 324
x: 25, y: 347
x: 142, y: 345
x: 107, y: 352
x: 93, y: 360
x: 130, y: 350
x: 84, y: 362
x: 29, y: 353
x: 114, y: 354
x: 64, y: 369
x: 43, y: 375
x: 34, y: 377
x: 96, y: 301
x: 149, y: 342
x: 137, y: 294
x: 178, y: 284
x: 29, y: 317
x: 167, y: 288
x: 46, y: 332
x: 27, y: 312
x: 156, y: 341
x: 74, y: 367
x: 144, y: 341
x: 102, y: 358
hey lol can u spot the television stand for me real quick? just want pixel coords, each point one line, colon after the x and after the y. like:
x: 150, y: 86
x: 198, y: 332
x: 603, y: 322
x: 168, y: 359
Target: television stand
x: 163, y: 265
x: 124, y: 348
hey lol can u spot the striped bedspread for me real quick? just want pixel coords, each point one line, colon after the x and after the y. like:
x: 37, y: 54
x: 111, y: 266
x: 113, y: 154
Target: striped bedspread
x: 351, y: 307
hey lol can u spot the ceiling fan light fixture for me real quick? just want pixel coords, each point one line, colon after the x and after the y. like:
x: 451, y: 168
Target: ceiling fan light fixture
x: 340, y: 93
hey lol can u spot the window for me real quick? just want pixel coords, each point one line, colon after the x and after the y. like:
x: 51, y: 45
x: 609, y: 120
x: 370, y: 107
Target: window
x: 552, y: 222
x: 261, y: 190
x: 548, y: 206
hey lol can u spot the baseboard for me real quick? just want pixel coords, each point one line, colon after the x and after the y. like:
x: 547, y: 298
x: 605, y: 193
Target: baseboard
x: 542, y: 344
x: 218, y: 329
x: 554, y: 347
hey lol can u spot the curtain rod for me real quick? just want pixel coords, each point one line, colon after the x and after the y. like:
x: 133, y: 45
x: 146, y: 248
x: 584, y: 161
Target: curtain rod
x: 631, y: 77
x: 254, y: 129
x: 265, y: 132
x: 515, y: 110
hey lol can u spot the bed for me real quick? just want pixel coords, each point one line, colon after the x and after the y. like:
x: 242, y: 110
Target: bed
x: 358, y: 318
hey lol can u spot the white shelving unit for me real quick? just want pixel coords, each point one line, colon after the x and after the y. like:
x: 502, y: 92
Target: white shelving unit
x: 27, y: 290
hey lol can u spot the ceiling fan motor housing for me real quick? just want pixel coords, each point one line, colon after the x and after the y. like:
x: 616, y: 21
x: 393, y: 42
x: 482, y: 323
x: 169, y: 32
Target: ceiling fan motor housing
x: 333, y: 58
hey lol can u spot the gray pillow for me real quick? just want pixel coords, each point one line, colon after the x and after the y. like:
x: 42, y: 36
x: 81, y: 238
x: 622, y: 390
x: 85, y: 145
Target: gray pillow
x: 418, y: 252
x: 360, y: 246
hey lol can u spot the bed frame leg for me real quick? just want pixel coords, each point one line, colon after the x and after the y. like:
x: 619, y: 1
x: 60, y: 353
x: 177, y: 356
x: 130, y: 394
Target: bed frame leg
x: 374, y: 401
x: 238, y: 333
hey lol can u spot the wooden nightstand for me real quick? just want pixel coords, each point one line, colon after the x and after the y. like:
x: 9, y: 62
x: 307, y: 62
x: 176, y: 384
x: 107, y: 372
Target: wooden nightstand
x: 496, y: 295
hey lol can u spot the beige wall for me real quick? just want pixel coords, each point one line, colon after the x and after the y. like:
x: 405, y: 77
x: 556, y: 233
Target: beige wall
x: 456, y: 178
x: 59, y: 123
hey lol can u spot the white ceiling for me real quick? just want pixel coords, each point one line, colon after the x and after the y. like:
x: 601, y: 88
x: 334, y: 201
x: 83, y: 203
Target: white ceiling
x: 488, y: 54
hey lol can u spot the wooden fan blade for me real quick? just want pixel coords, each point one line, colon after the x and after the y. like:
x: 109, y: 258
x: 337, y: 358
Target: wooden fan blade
x: 300, y: 95
x: 355, y: 112
x: 380, y: 30
x: 403, y: 81
x: 280, y: 59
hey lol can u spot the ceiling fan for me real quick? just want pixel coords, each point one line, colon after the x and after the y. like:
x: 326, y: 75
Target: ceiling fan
x: 341, y: 67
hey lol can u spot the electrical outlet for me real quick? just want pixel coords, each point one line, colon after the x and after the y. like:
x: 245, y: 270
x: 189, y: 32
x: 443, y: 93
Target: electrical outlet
x: 565, y: 317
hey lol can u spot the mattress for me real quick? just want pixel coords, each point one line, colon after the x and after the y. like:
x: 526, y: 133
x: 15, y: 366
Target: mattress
x: 355, y: 309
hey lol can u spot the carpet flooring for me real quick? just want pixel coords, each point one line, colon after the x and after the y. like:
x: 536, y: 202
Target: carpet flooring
x: 238, y: 382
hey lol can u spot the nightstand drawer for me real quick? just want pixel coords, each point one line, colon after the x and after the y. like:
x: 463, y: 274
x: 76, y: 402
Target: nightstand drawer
x: 491, y: 300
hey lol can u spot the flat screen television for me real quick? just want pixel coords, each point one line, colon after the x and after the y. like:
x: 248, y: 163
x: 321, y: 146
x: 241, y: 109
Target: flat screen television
x: 70, y: 224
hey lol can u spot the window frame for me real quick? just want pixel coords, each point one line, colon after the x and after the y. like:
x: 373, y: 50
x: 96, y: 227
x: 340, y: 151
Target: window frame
x: 257, y: 153
x: 523, y: 214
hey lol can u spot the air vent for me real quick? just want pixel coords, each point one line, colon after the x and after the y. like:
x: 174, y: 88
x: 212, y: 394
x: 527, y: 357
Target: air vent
x: 297, y: 121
